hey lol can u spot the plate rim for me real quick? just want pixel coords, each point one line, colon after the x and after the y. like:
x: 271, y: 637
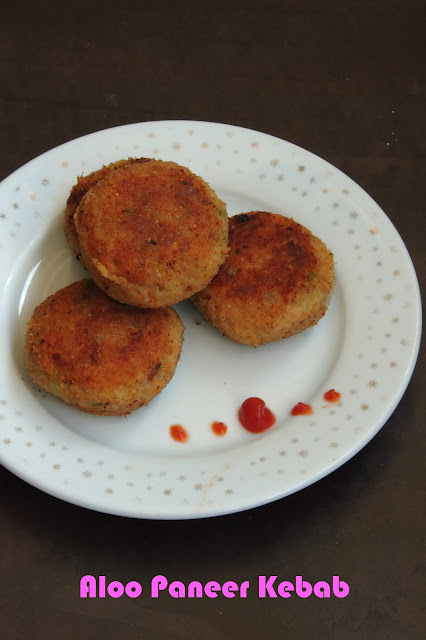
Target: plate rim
x: 340, y: 461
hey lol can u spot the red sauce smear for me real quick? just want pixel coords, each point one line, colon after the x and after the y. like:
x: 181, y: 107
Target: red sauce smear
x: 255, y: 416
x: 178, y: 433
x: 219, y: 428
x: 301, y: 409
x: 332, y: 395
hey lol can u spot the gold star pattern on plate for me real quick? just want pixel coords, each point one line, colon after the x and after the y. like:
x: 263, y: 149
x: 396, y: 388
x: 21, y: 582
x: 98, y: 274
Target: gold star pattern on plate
x: 383, y: 302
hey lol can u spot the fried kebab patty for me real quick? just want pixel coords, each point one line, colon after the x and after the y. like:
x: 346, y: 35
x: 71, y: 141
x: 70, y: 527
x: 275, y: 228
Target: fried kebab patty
x: 99, y: 355
x: 152, y: 233
x: 276, y: 281
x: 82, y: 186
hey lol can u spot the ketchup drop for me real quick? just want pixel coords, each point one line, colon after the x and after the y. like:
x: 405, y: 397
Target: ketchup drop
x: 332, y: 395
x: 219, y: 428
x: 301, y: 409
x: 178, y: 433
x: 255, y: 416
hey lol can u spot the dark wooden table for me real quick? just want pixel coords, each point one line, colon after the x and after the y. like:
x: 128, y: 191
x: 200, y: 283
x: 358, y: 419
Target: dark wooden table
x: 344, y: 80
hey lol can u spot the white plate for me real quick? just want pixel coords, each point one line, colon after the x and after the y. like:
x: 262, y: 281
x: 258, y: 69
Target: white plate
x: 365, y: 347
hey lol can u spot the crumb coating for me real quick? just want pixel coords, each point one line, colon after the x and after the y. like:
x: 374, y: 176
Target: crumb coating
x: 99, y: 355
x: 276, y: 281
x: 79, y: 190
x: 152, y: 233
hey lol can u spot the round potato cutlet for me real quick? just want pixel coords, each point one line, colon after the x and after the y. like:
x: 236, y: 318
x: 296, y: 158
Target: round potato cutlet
x: 276, y: 281
x: 82, y: 186
x: 152, y: 234
x: 99, y: 355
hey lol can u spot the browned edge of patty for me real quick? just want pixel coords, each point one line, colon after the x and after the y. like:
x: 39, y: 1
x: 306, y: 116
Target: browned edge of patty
x: 79, y: 190
x: 99, y: 355
x: 276, y: 281
x: 152, y: 234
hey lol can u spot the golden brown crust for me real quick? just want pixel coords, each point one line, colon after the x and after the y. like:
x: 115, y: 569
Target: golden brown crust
x: 98, y: 355
x: 276, y: 281
x: 152, y: 234
x: 79, y: 190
